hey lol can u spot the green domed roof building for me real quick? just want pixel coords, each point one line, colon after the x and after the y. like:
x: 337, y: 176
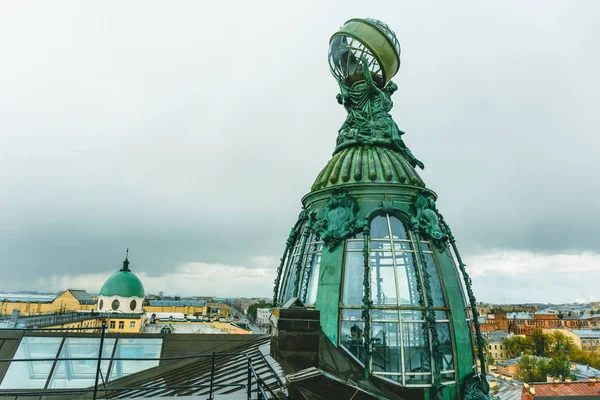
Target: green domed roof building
x: 371, y: 251
x: 123, y: 283
x: 122, y: 292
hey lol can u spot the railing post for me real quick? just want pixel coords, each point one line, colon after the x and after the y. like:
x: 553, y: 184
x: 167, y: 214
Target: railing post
x: 259, y: 391
x: 212, y: 377
x: 249, y: 379
x: 99, y: 359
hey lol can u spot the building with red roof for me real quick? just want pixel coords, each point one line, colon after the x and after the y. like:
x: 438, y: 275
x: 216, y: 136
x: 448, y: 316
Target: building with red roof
x: 558, y: 390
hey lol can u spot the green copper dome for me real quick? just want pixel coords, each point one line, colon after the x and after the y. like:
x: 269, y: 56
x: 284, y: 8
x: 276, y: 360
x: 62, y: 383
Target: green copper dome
x: 123, y: 283
x: 371, y: 251
x: 367, y: 164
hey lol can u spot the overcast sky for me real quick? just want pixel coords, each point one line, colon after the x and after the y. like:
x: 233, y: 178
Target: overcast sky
x: 189, y: 131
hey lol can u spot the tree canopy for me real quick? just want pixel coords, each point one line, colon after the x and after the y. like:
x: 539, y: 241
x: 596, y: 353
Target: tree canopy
x: 555, y: 350
x: 252, y: 308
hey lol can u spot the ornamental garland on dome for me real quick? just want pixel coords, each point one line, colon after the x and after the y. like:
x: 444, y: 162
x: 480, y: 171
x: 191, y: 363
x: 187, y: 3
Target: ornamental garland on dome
x: 368, y: 121
x: 430, y: 324
x: 289, y: 244
x: 477, y: 386
x: 429, y: 222
x: 367, y: 302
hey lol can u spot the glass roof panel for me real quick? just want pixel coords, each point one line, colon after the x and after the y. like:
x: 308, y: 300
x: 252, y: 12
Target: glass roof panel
x: 135, y: 348
x: 81, y: 373
x: 77, y: 373
x: 31, y: 374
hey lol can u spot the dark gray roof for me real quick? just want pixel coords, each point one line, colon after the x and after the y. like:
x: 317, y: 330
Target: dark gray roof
x: 519, y: 315
x: 496, y: 336
x: 584, y: 371
x: 229, y: 370
x: 82, y: 296
x: 587, y: 333
x: 171, y: 303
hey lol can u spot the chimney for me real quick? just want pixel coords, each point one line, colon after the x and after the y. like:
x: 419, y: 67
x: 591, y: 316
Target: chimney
x: 295, y: 332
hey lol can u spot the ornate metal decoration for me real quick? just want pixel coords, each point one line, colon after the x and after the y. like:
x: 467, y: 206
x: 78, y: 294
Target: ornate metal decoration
x: 387, y: 206
x: 289, y: 244
x: 305, y: 235
x: 427, y: 220
x: 339, y: 219
x: 368, y: 121
x: 483, y: 386
x: 477, y: 388
x: 429, y: 325
x: 367, y: 303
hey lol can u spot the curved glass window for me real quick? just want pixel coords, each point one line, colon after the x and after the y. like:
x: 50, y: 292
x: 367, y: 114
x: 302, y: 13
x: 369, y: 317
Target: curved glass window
x: 132, y: 305
x: 115, y: 304
x: 101, y: 305
x: 310, y: 275
x: 401, y: 350
x: 304, y: 261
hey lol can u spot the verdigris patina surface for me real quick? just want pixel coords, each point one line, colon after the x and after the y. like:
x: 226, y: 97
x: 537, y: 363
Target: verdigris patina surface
x: 368, y: 121
x: 370, y: 249
x: 339, y: 219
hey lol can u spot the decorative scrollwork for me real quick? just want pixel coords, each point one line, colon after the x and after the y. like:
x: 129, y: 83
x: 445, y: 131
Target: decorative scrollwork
x: 426, y: 219
x: 477, y: 388
x: 339, y: 220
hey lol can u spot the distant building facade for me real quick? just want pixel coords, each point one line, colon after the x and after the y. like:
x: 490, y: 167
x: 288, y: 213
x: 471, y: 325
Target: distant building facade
x: 496, y: 348
x: 262, y: 316
x: 69, y: 300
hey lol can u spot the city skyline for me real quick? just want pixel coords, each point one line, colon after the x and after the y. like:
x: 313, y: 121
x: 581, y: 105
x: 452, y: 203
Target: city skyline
x: 193, y: 151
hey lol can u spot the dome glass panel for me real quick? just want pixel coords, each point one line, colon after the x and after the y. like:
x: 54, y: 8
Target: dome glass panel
x: 401, y: 350
x: 302, y: 269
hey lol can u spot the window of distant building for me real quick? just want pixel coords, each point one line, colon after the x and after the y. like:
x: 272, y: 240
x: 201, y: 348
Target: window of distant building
x: 495, y: 347
x: 112, y: 324
x: 115, y: 304
x: 132, y: 324
x: 133, y: 305
x: 121, y: 324
x: 101, y: 305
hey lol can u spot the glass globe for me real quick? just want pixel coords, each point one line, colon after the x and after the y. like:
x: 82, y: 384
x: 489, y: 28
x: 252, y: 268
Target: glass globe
x: 364, y: 41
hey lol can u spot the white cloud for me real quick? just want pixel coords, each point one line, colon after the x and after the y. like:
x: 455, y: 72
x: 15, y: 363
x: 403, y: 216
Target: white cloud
x: 525, y: 276
x: 156, y: 136
x: 201, y: 279
x: 498, y: 276
x: 523, y: 263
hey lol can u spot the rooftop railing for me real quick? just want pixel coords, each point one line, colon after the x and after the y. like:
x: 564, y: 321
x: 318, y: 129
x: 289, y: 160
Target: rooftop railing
x: 253, y: 382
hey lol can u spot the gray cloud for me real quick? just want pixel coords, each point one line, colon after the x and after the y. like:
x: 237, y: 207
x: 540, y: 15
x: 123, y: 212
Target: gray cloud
x: 190, y: 132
